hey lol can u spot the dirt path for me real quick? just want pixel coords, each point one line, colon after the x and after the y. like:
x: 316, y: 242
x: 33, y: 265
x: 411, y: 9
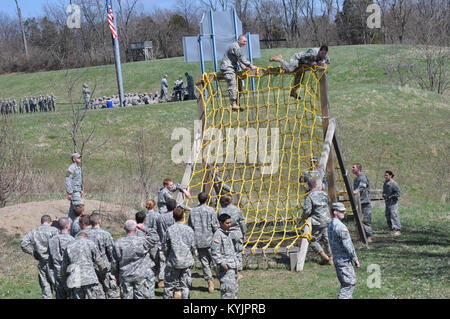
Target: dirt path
x: 21, y: 218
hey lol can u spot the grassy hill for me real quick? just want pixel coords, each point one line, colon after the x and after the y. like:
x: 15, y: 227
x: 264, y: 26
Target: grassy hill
x: 380, y: 124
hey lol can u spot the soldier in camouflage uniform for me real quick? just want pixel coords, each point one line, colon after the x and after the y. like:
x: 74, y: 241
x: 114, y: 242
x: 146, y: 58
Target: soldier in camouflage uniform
x: 80, y: 261
x: 56, y: 247
x: 134, y: 264
x: 314, y: 56
x: 232, y: 59
x: 25, y: 104
x: 361, y: 185
x: 14, y: 106
x: 105, y: 245
x: 86, y: 96
x: 144, y: 231
x: 163, y: 223
x: 151, y: 221
x: 203, y: 220
x: 238, y: 227
x: 224, y: 255
x: 166, y: 192
x: 312, y: 172
x: 35, y: 243
x: 344, y: 253
x: 178, y: 245
x: 391, y: 193
x: 316, y: 207
x: 78, y: 211
x: 74, y: 183
x: 53, y: 100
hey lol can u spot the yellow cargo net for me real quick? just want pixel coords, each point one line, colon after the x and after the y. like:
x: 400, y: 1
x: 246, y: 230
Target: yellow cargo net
x: 260, y: 155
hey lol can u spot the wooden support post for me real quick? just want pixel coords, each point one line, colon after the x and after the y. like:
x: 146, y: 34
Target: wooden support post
x: 198, y: 139
x: 353, y: 201
x: 325, y: 122
x: 324, y: 158
x: 301, y: 256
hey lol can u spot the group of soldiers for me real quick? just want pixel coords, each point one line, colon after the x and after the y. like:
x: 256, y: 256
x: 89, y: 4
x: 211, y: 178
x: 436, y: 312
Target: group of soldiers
x: 130, y: 99
x: 80, y: 260
x: 28, y: 105
x: 330, y: 238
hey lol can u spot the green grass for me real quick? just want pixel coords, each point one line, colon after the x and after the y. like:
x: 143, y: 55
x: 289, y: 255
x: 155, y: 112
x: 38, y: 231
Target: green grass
x: 380, y: 124
x: 414, y: 265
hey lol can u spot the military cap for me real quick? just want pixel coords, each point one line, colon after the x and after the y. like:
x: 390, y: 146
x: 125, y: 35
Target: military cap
x: 338, y: 206
x: 76, y: 155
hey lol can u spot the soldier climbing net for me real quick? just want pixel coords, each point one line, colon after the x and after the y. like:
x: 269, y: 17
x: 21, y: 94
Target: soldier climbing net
x: 260, y: 154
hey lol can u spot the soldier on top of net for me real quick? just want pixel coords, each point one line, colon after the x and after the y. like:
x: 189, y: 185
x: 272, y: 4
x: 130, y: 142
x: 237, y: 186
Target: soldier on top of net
x: 232, y: 59
x: 313, y: 56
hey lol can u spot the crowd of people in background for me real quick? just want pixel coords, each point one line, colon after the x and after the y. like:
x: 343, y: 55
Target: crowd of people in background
x: 46, y: 103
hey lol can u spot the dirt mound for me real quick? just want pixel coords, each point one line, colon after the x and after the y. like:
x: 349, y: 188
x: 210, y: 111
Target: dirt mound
x: 21, y: 218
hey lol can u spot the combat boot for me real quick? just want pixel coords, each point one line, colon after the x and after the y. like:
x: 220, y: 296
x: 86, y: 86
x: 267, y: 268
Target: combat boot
x: 177, y: 294
x: 276, y: 58
x: 210, y: 286
x: 293, y: 94
x: 324, y: 260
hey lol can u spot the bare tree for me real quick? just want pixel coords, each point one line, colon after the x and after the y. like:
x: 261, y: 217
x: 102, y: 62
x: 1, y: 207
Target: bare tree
x: 142, y: 161
x: 15, y: 162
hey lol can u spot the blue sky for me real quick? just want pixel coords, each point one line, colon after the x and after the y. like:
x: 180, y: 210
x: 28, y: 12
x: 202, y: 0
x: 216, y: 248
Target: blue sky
x: 33, y: 8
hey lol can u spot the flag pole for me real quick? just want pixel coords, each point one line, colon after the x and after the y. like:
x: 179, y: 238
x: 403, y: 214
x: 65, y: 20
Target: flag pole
x: 116, y: 56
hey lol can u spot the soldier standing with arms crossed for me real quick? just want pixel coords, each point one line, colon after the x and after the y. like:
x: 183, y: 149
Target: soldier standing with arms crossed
x: 224, y: 255
x: 238, y: 227
x: 344, y: 253
x: 74, y: 183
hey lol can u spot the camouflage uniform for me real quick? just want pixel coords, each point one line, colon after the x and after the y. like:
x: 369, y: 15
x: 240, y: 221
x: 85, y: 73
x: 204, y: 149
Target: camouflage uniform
x: 164, y: 194
x: 203, y: 220
x: 178, y: 244
x: 56, y: 246
x: 316, y: 207
x: 306, y: 57
x: 391, y: 193
x: 25, y: 104
x: 86, y: 96
x: 105, y: 245
x: 75, y: 227
x: 35, y: 243
x: 362, y: 185
x: 79, y: 271
x: 74, y: 186
x: 224, y: 254
x: 343, y: 255
x: 134, y: 266
x: 151, y: 222
x: 237, y: 229
x: 232, y: 59
x: 163, y: 223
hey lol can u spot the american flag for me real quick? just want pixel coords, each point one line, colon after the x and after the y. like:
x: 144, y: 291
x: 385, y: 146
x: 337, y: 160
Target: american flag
x: 111, y: 23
